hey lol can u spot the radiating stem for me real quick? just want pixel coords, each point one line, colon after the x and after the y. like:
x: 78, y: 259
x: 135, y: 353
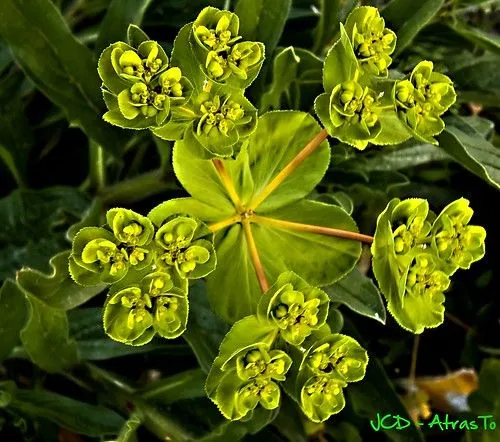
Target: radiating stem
x: 227, y: 183
x: 288, y: 169
x: 413, y: 364
x: 320, y: 230
x: 254, y: 254
x: 219, y: 225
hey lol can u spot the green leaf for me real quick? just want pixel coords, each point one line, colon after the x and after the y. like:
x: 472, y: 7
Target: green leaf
x: 62, y: 68
x: 407, y: 18
x: 16, y: 135
x: 45, y: 336
x: 119, y: 15
x: 332, y: 12
x: 472, y: 151
x: 13, y: 305
x: 294, y: 69
x: 360, y: 294
x: 32, y: 224
x: 185, y: 385
x: 58, y: 289
x: 80, y: 417
x: 318, y: 259
x: 262, y: 21
x: 485, y: 40
x: 405, y: 156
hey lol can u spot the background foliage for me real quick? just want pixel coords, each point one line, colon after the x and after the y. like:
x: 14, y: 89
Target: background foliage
x: 62, y: 166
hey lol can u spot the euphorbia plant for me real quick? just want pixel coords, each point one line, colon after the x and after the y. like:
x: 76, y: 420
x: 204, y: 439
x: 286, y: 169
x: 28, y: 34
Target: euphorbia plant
x: 291, y: 184
x: 249, y: 180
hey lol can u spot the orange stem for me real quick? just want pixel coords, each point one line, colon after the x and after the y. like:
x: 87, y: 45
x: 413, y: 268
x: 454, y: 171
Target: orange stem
x: 288, y: 169
x: 328, y: 231
x: 254, y: 254
x: 227, y: 183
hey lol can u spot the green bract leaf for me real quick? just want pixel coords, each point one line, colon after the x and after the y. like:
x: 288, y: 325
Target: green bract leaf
x: 244, y: 373
x: 372, y: 42
x: 336, y: 353
x: 294, y: 306
x: 454, y: 241
x: 11, y: 301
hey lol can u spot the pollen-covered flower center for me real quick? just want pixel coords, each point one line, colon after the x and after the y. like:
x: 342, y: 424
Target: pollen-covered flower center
x: 144, y: 68
x: 218, y: 39
x: 149, y: 100
x: 219, y: 117
x: 423, y: 278
x: 294, y: 311
x: 323, y: 388
x: 105, y: 253
x: 357, y: 104
x: 407, y: 236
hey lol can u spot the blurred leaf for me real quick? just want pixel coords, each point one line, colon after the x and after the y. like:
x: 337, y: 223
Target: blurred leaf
x: 13, y: 305
x: 32, y: 224
x: 185, y: 385
x: 486, y: 400
x: 407, y: 155
x: 62, y: 68
x: 482, y: 39
x: 16, y: 136
x: 332, y: 12
x: 58, y: 289
x: 128, y: 433
x: 119, y: 15
x: 472, y: 151
x: 80, y: 417
x: 360, y: 294
x: 407, y: 18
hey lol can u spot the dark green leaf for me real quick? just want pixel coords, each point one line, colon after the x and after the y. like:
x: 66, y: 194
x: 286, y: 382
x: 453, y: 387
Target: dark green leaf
x: 13, y: 308
x: 407, y: 18
x: 332, y: 12
x: 32, y: 224
x: 119, y: 15
x: 407, y: 155
x: 185, y: 385
x: 16, y: 136
x: 62, y: 68
x: 472, y: 151
x: 80, y: 417
x: 482, y: 39
x: 360, y: 294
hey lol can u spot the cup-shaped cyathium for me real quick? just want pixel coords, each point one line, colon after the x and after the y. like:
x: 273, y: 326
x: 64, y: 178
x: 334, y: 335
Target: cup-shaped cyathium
x: 178, y: 248
x: 97, y: 257
x: 216, y: 30
x: 372, y: 42
x: 222, y: 121
x: 457, y: 243
x: 411, y: 222
x: 134, y: 314
x: 337, y: 355
x: 257, y: 391
x: 295, y: 307
x: 258, y: 362
x: 322, y: 396
x: 130, y: 227
x: 422, y: 98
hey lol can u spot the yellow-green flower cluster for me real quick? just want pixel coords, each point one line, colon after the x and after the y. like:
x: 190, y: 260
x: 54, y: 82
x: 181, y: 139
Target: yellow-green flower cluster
x: 147, y: 270
x: 416, y: 252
